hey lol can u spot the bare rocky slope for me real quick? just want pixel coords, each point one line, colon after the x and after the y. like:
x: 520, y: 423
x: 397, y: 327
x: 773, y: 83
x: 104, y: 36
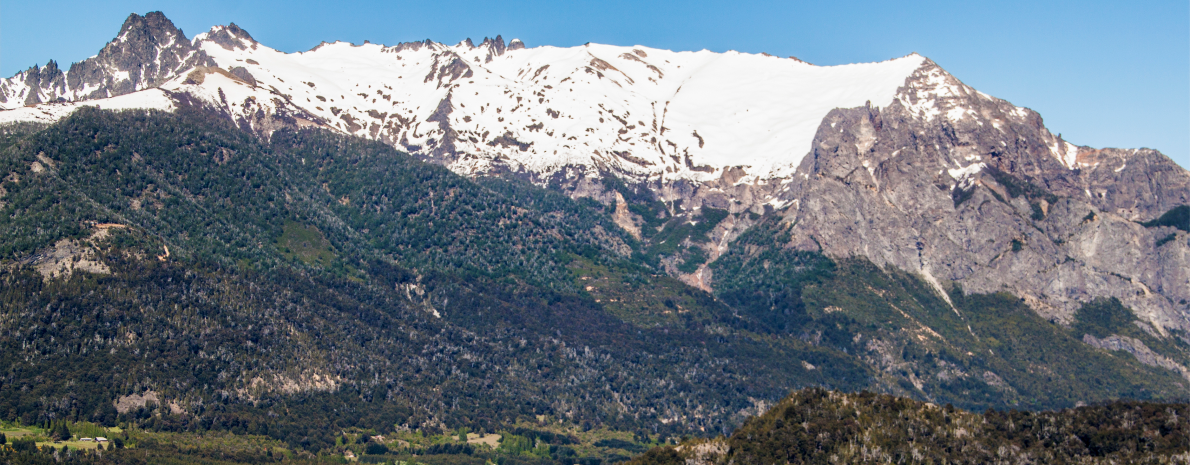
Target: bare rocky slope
x: 964, y: 188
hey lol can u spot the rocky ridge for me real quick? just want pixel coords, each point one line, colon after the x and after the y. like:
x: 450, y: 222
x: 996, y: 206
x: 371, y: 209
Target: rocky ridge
x: 148, y: 51
x: 964, y: 188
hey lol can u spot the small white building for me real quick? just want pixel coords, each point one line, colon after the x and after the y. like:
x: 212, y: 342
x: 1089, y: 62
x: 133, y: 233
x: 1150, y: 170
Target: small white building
x: 101, y: 439
x: 86, y: 439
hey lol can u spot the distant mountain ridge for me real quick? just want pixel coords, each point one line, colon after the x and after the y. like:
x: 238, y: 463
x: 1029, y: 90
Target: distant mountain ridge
x: 646, y: 113
x: 730, y: 131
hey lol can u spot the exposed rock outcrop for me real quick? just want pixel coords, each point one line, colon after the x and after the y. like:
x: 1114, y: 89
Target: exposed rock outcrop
x: 1139, y: 350
x: 148, y: 51
x: 963, y: 188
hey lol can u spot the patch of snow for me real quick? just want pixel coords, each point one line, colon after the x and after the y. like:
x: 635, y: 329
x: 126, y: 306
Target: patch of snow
x: 957, y: 113
x: 118, y: 76
x: 150, y: 99
x: 966, y: 172
x: 1066, y: 153
x: 779, y: 204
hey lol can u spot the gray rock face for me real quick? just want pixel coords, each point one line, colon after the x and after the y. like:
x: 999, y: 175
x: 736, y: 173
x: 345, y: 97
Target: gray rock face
x: 49, y: 77
x: 231, y: 37
x: 242, y: 73
x: 1136, y: 184
x: 148, y: 51
x: 1139, y: 350
x: 964, y: 188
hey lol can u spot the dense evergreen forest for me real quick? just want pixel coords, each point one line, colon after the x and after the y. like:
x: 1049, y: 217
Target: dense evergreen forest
x: 172, y: 274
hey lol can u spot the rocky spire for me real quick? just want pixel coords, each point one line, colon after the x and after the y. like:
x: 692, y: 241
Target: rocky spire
x: 230, y: 37
x: 146, y: 52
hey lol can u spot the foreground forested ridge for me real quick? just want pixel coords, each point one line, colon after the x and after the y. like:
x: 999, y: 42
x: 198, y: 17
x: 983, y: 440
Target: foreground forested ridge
x: 819, y: 426
x: 171, y: 272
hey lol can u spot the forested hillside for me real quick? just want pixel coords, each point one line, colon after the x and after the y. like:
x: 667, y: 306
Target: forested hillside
x: 337, y: 281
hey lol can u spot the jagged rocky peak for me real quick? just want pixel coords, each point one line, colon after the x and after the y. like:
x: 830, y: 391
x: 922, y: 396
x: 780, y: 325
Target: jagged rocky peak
x: 150, y: 48
x: 141, y: 33
x: 986, y: 131
x: 230, y: 37
x: 148, y: 51
x: 49, y: 78
x: 493, y: 47
x: 402, y: 46
x: 496, y: 45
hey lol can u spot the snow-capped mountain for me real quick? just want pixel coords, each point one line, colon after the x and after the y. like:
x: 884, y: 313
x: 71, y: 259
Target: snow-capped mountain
x: 879, y: 160
x: 637, y: 111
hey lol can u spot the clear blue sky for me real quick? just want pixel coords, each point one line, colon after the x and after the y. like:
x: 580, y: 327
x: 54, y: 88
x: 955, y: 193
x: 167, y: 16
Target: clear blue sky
x: 1102, y: 73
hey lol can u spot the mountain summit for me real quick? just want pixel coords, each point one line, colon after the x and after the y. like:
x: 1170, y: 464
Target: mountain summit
x: 148, y: 51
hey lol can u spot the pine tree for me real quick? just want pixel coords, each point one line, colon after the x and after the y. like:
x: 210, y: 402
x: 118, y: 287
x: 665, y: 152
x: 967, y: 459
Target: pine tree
x: 61, y: 432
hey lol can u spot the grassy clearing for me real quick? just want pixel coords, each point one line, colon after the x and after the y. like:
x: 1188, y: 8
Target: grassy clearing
x: 490, y: 440
x: 642, y: 299
x: 305, y: 243
x: 546, y: 441
x: 77, y: 445
x: 78, y: 431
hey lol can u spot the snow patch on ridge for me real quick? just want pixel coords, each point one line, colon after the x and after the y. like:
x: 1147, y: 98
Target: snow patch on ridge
x: 960, y: 173
x: 1068, y: 154
x: 151, y: 99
